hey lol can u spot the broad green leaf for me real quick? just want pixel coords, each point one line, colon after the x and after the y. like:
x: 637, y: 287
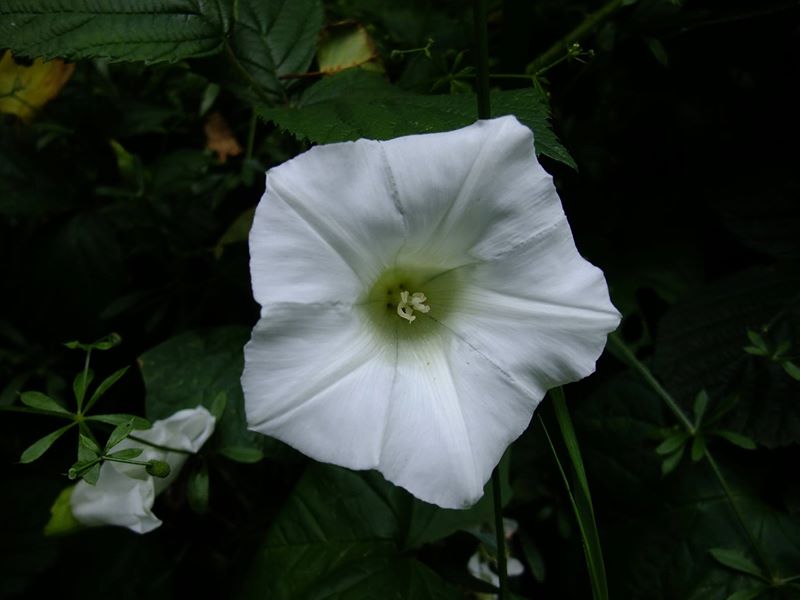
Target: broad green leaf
x: 356, y: 104
x: 735, y: 438
x: 42, y: 401
x: 118, y: 419
x: 25, y: 89
x: 149, y: 30
x: 127, y: 453
x: 35, y: 450
x: 120, y: 432
x: 341, y: 534
x: 104, y: 387
x: 737, y: 561
x: 194, y: 369
x: 346, y: 45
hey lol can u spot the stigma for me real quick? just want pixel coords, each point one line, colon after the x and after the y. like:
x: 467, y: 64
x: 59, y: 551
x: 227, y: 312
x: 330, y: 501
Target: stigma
x: 411, y: 302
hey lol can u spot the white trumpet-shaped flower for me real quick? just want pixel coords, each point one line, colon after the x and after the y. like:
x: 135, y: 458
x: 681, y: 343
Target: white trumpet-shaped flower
x: 124, y: 493
x: 419, y: 296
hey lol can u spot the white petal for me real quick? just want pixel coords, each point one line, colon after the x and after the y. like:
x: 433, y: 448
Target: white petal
x: 453, y: 413
x: 514, y: 568
x: 540, y: 312
x: 116, y: 499
x: 327, y: 226
x: 472, y: 193
x: 187, y: 429
x: 318, y: 378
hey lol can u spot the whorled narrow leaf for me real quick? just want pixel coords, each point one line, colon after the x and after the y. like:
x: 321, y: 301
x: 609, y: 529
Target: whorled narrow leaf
x: 39, y: 447
x: 40, y: 401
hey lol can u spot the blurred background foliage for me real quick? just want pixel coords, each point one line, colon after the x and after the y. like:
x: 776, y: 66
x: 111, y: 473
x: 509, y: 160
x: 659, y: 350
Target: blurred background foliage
x: 125, y: 203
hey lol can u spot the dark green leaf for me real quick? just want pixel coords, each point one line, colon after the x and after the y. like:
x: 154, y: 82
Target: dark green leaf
x: 671, y: 462
x: 791, y: 369
x: 106, y: 343
x: 104, y: 386
x: 757, y: 340
x: 340, y: 535
x: 748, y: 594
x: 35, y: 450
x: 195, y: 368
x: 735, y: 438
x: 698, y: 447
x: 755, y: 351
x: 737, y: 561
x: 242, y: 455
x: 700, y: 405
x: 356, y: 104
x: 80, y: 384
x: 533, y: 557
x: 120, y: 432
x: 119, y: 419
x: 150, y: 30
x: 672, y: 443
x: 127, y: 453
x: 92, y: 475
x: 41, y: 401
x: 218, y: 404
x: 197, y: 490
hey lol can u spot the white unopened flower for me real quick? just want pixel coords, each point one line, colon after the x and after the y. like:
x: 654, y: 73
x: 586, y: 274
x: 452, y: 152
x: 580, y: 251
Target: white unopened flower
x: 419, y: 296
x: 124, y: 493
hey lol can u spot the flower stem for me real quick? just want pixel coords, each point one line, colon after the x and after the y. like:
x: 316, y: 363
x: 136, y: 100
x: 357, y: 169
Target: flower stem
x: 554, y: 53
x: 502, y: 569
x: 157, y: 446
x: 482, y: 61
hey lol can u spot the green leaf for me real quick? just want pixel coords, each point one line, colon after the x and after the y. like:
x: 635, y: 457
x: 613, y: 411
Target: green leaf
x: 533, y: 556
x: 106, y: 343
x: 791, y: 369
x: 195, y: 368
x: 737, y: 561
x: 735, y: 438
x: 197, y: 490
x: 104, y: 386
x: 672, y: 443
x: 80, y: 384
x: 357, y: 104
x: 62, y: 521
x: 672, y: 461
x: 341, y: 535
x: 755, y: 351
x: 698, y: 447
x: 584, y: 511
x: 139, y: 423
x: 87, y: 443
x: 218, y: 404
x: 748, y: 594
x: 92, y: 475
x: 40, y: 401
x: 757, y: 340
x: 127, y: 453
x: 120, y: 432
x: 700, y: 405
x: 242, y: 455
x: 150, y: 30
x: 39, y: 447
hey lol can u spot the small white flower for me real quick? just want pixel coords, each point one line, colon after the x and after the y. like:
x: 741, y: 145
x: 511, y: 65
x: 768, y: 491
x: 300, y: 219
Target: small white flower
x: 124, y: 493
x: 419, y: 296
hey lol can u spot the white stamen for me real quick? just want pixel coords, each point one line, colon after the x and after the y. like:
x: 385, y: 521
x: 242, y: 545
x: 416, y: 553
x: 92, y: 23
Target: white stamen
x: 407, y: 305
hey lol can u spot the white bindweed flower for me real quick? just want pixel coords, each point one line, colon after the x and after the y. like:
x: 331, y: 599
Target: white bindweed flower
x: 419, y: 296
x: 124, y: 493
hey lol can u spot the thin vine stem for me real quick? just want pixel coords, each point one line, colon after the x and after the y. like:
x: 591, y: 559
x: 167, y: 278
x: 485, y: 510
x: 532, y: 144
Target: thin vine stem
x: 622, y: 352
x: 555, y: 52
x: 500, y: 533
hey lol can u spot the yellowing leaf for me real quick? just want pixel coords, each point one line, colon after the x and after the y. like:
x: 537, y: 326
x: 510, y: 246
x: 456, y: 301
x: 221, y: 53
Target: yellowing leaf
x: 346, y: 45
x: 25, y: 89
x: 220, y: 138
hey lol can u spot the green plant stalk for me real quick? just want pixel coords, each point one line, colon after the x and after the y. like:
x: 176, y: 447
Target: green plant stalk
x: 85, y: 375
x: 251, y: 136
x: 582, y: 501
x: 622, y: 352
x: 554, y: 53
x: 484, y: 112
x: 157, y: 446
x: 500, y: 533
